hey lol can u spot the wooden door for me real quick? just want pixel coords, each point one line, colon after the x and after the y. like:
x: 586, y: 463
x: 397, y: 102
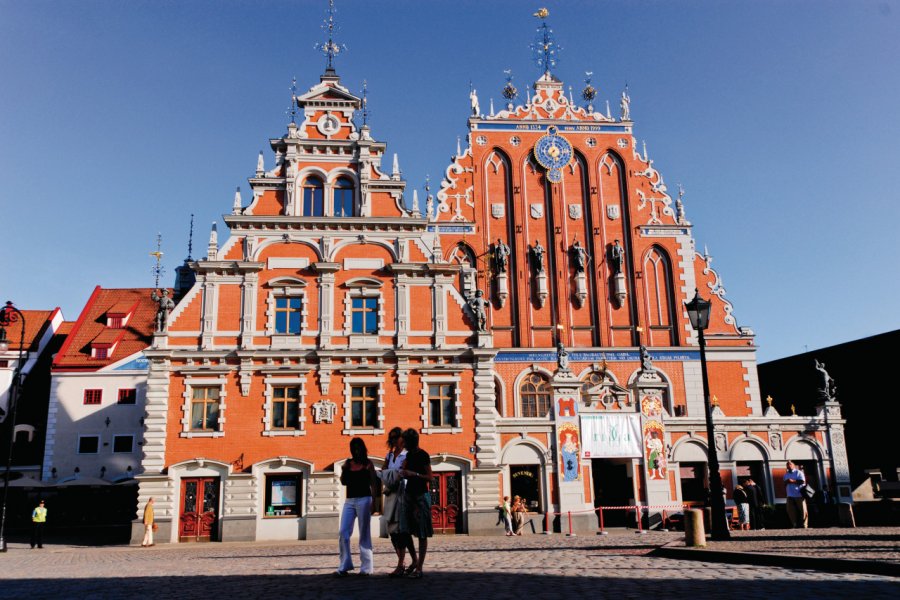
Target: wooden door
x: 199, y: 509
x: 446, y: 500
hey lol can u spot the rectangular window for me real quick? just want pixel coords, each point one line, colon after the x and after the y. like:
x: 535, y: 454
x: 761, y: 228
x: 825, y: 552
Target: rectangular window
x: 288, y: 315
x: 93, y: 396
x: 442, y: 405
x: 123, y: 443
x: 364, y: 315
x: 285, y: 408
x: 127, y: 396
x: 364, y: 406
x: 101, y: 353
x: 88, y: 444
x: 313, y: 205
x: 114, y: 322
x: 205, y: 409
x: 283, y: 495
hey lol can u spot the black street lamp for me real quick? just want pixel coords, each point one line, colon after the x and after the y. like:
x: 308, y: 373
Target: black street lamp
x: 698, y: 312
x: 10, y: 314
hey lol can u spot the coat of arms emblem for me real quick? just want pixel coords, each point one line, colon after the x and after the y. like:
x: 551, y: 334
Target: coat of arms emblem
x: 574, y: 211
x: 537, y: 211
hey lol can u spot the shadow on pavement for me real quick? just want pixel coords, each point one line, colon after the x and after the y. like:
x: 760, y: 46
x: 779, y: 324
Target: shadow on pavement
x: 496, y: 586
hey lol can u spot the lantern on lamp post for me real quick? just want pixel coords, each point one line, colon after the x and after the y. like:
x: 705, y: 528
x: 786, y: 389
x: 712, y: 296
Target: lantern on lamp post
x: 698, y: 311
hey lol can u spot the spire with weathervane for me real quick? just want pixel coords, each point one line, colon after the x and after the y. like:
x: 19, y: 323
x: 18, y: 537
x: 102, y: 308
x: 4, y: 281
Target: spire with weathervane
x: 545, y: 48
x: 330, y: 48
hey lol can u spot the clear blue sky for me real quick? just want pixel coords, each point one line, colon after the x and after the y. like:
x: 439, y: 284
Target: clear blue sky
x: 780, y: 118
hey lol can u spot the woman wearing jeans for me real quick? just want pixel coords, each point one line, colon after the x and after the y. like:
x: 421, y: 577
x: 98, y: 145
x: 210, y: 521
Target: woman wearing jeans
x: 358, y: 475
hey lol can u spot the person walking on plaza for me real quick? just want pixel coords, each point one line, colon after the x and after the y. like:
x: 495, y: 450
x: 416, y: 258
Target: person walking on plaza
x: 38, y: 519
x: 394, y: 489
x: 358, y: 476
x: 518, y: 511
x: 743, y: 505
x: 756, y: 499
x: 417, y: 471
x: 796, y: 501
x: 506, y: 515
x: 149, y: 524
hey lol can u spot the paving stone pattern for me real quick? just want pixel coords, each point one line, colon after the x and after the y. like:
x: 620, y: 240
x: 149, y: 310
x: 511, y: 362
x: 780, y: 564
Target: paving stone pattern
x: 463, y: 568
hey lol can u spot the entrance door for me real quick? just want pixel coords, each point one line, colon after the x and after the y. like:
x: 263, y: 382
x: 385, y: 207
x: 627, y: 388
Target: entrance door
x: 446, y: 498
x: 525, y: 482
x: 199, y: 509
x: 613, y: 487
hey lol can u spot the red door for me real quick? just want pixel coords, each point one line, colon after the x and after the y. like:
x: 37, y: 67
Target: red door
x: 199, y: 509
x: 446, y: 499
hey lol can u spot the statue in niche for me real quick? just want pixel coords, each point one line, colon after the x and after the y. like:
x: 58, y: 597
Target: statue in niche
x: 165, y: 306
x: 501, y: 254
x: 827, y: 387
x: 616, y: 257
x: 646, y: 361
x: 537, y: 257
x: 479, y: 306
x: 579, y: 256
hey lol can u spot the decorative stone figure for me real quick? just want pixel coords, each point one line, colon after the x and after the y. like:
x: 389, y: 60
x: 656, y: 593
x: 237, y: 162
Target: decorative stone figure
x: 501, y: 256
x: 827, y: 387
x: 562, y: 358
x: 646, y: 362
x: 579, y: 256
x: 323, y: 411
x: 473, y: 98
x: 625, y: 104
x: 537, y: 257
x: 616, y: 257
x: 479, y: 306
x: 165, y: 306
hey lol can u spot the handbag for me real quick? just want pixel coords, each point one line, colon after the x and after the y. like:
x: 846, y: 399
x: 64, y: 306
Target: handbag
x: 807, y: 491
x: 155, y: 527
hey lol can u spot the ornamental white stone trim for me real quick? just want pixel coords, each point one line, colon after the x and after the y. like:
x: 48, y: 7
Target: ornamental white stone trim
x: 189, y: 384
x: 270, y: 382
x: 427, y: 380
x: 291, y: 291
x: 349, y: 382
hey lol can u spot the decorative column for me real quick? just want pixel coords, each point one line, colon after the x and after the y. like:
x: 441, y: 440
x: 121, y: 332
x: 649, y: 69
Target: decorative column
x: 837, y: 448
x: 481, y: 483
x: 248, y: 309
x: 326, y: 271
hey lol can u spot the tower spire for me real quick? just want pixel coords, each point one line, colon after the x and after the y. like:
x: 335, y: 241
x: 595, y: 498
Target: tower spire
x: 293, y: 109
x: 545, y: 48
x: 330, y: 48
x: 365, y: 103
x: 157, y: 268
x: 191, y: 238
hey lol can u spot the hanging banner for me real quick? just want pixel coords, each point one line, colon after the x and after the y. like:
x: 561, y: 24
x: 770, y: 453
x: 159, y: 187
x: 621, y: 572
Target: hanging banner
x: 611, y: 435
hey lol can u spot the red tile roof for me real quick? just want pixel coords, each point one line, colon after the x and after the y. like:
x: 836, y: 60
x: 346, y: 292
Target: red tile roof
x: 91, y: 327
x: 36, y: 322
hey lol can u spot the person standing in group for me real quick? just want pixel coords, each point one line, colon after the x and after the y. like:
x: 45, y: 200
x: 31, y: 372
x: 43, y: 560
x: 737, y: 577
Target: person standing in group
x: 358, y: 476
x: 742, y: 502
x: 518, y: 512
x: 417, y: 471
x: 149, y: 524
x: 506, y: 511
x: 38, y: 519
x: 757, y: 500
x: 796, y: 502
x: 394, y: 489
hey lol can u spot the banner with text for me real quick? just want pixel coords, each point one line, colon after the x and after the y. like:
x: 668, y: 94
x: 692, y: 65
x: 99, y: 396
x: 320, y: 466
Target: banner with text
x: 611, y: 435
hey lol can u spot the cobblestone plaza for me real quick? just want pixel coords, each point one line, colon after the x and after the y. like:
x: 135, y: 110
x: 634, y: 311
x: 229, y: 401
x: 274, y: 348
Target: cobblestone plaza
x: 619, y: 565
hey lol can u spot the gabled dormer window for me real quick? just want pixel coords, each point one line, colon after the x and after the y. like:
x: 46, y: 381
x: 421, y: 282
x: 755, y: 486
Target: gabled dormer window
x: 119, y: 314
x: 103, y: 346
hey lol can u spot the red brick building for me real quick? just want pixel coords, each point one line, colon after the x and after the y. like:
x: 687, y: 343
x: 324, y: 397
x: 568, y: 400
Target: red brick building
x: 528, y: 319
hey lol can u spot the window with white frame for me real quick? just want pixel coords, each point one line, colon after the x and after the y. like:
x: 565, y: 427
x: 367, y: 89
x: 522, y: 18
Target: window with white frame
x: 286, y: 312
x: 364, y: 315
x: 363, y: 405
x: 88, y: 444
x: 123, y: 444
x: 535, y: 395
x: 342, y: 194
x: 363, y: 309
x: 204, y: 407
x: 284, y: 406
x: 441, y: 403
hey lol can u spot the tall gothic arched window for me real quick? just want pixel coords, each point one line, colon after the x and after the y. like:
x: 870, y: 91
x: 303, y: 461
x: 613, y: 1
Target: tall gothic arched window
x: 658, y: 297
x: 313, y: 197
x: 343, y: 198
x: 535, y: 395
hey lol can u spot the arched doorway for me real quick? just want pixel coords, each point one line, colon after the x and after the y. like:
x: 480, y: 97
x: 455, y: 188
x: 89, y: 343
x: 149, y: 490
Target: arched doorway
x: 692, y: 472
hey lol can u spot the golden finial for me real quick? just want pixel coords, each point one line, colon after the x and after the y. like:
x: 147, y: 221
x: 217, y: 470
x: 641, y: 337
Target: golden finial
x: 793, y: 410
x: 769, y: 400
x: 715, y: 401
x: 542, y: 13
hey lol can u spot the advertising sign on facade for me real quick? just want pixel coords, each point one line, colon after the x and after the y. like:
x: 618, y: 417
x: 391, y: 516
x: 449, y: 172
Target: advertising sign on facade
x: 611, y: 435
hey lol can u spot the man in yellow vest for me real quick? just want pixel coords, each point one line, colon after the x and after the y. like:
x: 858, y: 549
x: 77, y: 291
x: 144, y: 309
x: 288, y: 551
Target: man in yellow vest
x: 38, y: 518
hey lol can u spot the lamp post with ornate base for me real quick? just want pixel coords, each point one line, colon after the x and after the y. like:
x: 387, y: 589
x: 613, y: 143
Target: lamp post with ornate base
x: 698, y: 312
x: 10, y: 314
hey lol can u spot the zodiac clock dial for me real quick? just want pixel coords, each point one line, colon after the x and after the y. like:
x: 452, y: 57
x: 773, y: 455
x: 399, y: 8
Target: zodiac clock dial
x: 553, y: 152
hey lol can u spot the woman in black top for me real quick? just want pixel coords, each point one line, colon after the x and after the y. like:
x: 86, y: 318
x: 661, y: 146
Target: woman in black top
x: 358, y: 475
x: 417, y: 471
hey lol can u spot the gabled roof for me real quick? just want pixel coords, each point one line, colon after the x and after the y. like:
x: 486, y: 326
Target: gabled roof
x: 90, y: 328
x: 36, y: 323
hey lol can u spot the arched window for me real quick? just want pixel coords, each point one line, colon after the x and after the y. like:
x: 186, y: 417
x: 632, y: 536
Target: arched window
x: 593, y: 379
x: 313, y: 197
x: 534, y: 395
x: 343, y: 198
x: 658, y: 298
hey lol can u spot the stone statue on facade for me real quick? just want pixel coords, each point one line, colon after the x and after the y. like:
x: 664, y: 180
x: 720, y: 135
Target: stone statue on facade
x: 502, y: 253
x: 473, y: 98
x: 479, y: 307
x: 537, y: 257
x: 616, y: 257
x: 562, y: 358
x: 579, y: 256
x: 625, y: 104
x: 827, y: 387
x: 165, y: 306
x: 646, y: 361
